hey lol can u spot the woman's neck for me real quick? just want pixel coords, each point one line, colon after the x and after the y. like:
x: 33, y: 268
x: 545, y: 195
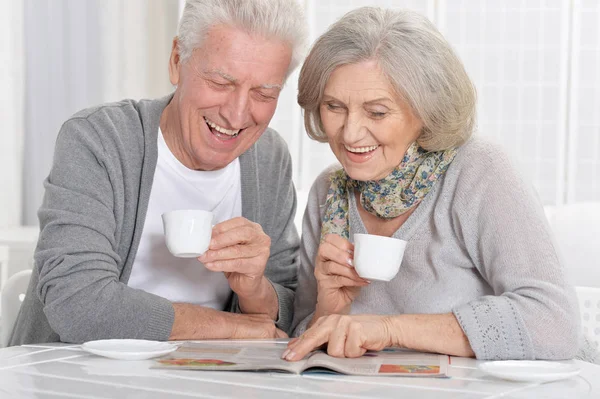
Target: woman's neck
x: 378, y: 226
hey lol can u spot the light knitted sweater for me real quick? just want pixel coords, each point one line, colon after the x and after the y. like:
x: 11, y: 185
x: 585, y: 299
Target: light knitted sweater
x: 479, y: 246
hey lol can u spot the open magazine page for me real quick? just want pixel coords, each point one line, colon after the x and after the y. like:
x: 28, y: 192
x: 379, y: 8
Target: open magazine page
x: 388, y: 362
x: 230, y: 355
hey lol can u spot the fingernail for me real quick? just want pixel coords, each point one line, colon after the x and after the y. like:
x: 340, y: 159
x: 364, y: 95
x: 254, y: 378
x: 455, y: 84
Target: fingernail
x: 285, y: 353
x: 290, y: 356
x: 349, y: 261
x: 349, y: 251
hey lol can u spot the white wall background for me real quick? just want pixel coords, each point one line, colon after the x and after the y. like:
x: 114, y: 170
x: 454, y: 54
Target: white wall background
x: 11, y: 115
x: 82, y: 53
x: 536, y: 65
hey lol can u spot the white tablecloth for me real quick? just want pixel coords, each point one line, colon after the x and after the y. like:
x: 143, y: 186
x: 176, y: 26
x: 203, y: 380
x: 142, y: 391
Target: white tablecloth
x: 59, y: 370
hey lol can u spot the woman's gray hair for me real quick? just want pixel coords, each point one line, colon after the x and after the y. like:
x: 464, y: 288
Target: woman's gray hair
x: 414, y: 56
x: 277, y: 19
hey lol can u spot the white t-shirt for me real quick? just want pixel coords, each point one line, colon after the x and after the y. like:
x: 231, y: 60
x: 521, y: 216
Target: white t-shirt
x: 175, y: 186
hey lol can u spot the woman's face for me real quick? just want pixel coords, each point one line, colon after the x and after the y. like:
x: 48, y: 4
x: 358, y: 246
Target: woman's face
x: 368, y: 126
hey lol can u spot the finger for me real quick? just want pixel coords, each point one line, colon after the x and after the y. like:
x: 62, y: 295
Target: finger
x: 339, y: 242
x: 335, y: 269
x: 245, y: 266
x: 232, y: 252
x: 234, y: 223
x: 280, y: 334
x: 310, y: 340
x: 354, y: 341
x: 329, y: 252
x: 341, y: 281
x: 292, y: 342
x: 239, y: 235
x: 337, y: 338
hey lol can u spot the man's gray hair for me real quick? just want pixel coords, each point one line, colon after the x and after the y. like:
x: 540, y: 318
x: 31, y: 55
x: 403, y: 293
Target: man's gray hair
x: 414, y: 56
x: 278, y: 19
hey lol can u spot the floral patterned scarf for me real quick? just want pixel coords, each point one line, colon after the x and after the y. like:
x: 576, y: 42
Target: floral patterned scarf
x: 390, y: 197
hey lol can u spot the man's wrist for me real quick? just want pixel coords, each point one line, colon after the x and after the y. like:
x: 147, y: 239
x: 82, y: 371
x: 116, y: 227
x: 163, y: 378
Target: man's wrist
x: 264, y: 300
x: 191, y: 322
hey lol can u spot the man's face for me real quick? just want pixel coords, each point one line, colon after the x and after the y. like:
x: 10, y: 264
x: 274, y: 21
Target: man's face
x: 226, y: 95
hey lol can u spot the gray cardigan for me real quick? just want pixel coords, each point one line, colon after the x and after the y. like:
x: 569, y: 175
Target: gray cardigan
x: 479, y: 246
x: 92, y: 217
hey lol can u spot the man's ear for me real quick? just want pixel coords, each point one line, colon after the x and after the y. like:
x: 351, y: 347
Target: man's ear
x: 174, y: 63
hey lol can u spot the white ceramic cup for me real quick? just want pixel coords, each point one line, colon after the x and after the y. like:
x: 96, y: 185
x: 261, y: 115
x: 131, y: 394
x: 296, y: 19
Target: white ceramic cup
x: 187, y: 232
x: 377, y: 257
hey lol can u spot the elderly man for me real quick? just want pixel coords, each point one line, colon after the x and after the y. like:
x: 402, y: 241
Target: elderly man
x: 102, y: 269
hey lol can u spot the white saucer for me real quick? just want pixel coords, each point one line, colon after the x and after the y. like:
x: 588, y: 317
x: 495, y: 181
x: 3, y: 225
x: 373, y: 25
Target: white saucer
x: 128, y: 349
x: 530, y: 370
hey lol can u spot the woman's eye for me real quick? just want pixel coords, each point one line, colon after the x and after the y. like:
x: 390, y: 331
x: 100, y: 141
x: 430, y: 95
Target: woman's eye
x: 377, y: 114
x: 333, y: 107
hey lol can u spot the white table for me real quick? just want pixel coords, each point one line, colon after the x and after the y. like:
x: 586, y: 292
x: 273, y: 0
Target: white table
x: 65, y: 371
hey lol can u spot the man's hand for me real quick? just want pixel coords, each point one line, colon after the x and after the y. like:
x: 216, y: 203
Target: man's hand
x: 197, y: 322
x: 240, y: 249
x: 244, y: 326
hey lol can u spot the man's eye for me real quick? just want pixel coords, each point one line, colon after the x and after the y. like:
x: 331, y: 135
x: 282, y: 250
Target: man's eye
x: 219, y: 85
x: 265, y: 97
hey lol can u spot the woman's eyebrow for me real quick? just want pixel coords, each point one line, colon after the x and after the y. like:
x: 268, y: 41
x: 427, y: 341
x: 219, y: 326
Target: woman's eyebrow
x: 378, y: 100
x: 330, y: 97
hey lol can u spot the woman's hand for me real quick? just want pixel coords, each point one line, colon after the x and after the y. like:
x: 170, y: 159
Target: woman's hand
x: 346, y: 336
x: 352, y: 336
x: 337, y: 281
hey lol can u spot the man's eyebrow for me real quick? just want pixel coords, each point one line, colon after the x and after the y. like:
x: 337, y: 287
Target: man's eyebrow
x: 222, y: 74
x: 271, y: 86
x: 228, y: 77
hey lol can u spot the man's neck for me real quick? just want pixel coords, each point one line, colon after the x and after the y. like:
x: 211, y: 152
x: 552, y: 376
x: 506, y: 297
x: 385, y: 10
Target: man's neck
x: 170, y: 126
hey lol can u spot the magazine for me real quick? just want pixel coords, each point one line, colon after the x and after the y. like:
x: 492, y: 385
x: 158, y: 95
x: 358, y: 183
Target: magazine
x: 266, y: 356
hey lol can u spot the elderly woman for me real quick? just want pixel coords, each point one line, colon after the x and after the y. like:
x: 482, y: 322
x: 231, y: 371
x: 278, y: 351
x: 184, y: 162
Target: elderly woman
x: 480, y: 275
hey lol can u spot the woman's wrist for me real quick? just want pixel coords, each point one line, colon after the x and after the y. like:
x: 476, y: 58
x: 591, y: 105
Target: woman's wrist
x: 397, y: 330
x: 324, y: 309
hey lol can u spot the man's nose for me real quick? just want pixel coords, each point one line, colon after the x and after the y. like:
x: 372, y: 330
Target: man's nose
x: 236, y: 109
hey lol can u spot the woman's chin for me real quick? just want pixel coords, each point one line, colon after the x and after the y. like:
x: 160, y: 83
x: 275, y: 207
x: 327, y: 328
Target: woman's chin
x: 361, y: 175
x: 365, y: 173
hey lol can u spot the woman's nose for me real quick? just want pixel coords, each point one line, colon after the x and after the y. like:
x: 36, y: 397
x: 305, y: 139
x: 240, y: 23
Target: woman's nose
x: 353, y: 128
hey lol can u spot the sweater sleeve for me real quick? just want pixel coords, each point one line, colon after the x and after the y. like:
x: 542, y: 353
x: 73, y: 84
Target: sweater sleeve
x: 533, y: 313
x: 77, y: 254
x: 306, y: 297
